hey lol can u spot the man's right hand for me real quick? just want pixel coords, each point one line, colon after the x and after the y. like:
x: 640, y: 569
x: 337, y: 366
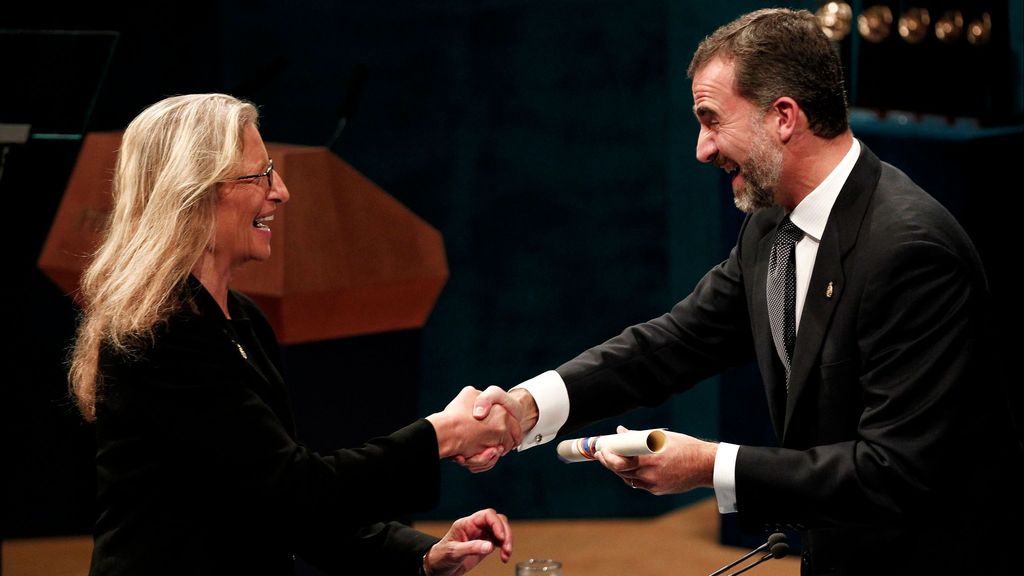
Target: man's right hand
x: 476, y: 443
x: 519, y: 404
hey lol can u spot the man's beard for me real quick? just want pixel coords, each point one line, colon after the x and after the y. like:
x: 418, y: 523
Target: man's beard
x: 761, y: 174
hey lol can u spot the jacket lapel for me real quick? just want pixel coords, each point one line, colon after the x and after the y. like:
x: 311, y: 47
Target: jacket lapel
x: 208, y: 308
x: 771, y: 369
x: 827, y: 282
x: 823, y: 293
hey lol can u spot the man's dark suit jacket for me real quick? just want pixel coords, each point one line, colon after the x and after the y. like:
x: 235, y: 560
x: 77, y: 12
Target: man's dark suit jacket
x: 895, y: 450
x: 199, y: 471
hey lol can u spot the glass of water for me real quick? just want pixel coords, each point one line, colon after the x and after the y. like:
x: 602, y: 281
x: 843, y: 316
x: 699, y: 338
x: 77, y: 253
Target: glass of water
x: 539, y: 567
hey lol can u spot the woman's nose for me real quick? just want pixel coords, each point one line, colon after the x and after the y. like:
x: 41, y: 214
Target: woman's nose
x: 278, y: 189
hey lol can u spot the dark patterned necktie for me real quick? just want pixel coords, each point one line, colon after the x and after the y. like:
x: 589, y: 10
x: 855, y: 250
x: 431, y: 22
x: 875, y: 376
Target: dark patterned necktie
x: 782, y: 291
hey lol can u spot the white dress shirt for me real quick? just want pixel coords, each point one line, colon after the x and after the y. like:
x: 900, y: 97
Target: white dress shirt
x: 810, y: 215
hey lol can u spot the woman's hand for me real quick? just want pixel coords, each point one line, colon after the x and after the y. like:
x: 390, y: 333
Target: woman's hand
x: 480, y: 442
x: 468, y: 542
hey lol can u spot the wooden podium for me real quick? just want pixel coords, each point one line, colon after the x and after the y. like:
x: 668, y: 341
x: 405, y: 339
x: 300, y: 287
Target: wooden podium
x: 348, y: 258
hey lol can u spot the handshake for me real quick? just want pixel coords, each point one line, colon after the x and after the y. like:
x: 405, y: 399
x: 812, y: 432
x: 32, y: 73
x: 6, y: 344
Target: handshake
x: 477, y: 428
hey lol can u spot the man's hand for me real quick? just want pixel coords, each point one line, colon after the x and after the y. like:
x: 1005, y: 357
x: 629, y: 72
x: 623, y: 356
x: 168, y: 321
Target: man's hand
x: 469, y: 541
x: 476, y: 443
x: 685, y: 463
x: 518, y: 404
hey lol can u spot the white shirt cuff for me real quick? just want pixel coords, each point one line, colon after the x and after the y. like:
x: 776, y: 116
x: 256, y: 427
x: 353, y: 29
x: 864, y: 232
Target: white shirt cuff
x: 548, y: 391
x: 725, y: 477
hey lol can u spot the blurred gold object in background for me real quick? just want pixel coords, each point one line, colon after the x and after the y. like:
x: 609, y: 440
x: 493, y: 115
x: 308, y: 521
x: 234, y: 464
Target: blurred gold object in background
x: 834, y: 19
x: 980, y: 29
x: 875, y: 23
x: 949, y: 26
x: 914, y: 24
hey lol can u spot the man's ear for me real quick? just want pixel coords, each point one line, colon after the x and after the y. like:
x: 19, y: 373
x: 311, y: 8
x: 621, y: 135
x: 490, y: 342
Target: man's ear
x: 787, y: 114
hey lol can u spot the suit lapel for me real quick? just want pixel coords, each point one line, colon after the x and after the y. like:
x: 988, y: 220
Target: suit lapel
x: 827, y: 283
x: 767, y: 359
x: 267, y: 383
x: 823, y: 294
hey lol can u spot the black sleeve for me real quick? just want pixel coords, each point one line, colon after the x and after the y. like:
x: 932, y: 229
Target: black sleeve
x: 702, y: 335
x: 380, y: 548
x: 219, y: 446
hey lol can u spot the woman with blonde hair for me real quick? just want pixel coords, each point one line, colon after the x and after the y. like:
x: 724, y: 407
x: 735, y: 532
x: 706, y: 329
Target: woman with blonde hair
x: 198, y: 470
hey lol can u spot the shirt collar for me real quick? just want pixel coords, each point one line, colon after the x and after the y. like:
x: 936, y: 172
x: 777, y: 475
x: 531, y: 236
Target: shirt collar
x: 811, y: 214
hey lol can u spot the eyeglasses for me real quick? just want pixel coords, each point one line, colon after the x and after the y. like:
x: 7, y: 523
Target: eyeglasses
x: 268, y: 174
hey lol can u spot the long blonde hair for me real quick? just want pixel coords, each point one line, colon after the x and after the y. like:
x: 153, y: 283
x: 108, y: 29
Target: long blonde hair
x: 172, y: 157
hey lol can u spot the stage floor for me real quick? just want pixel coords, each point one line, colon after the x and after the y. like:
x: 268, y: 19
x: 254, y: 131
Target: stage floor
x: 680, y: 543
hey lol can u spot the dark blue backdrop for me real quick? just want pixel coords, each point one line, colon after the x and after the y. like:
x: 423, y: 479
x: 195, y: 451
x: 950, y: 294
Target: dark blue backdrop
x: 552, y: 145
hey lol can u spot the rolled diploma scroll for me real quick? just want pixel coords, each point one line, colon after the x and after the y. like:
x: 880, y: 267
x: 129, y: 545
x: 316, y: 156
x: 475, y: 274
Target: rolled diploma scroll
x: 632, y: 443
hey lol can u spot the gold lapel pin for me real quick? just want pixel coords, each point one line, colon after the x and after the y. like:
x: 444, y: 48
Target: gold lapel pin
x: 828, y: 290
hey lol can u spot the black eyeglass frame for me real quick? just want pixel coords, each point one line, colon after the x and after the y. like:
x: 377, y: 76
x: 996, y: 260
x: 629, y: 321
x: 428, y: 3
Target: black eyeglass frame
x: 268, y: 174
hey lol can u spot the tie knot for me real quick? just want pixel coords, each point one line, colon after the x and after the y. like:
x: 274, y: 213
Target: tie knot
x: 788, y: 232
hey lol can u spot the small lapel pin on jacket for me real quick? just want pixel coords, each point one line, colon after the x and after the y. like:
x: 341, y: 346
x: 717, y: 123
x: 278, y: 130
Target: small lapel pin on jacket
x: 828, y: 290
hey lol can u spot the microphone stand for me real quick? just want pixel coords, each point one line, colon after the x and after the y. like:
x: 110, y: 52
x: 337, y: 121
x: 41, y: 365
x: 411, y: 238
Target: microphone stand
x: 773, y: 540
x: 778, y: 550
x: 741, y: 559
x: 353, y: 95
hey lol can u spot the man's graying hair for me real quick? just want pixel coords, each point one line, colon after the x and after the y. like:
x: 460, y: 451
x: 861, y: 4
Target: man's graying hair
x: 779, y: 52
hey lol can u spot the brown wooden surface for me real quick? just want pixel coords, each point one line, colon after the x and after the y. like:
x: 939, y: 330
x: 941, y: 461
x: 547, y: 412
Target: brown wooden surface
x: 681, y: 543
x: 67, y: 556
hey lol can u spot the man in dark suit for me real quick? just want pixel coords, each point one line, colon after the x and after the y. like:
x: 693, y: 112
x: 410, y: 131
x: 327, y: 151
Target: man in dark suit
x: 866, y: 308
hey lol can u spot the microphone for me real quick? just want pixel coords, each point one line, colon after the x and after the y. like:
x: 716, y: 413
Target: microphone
x: 774, y: 540
x: 353, y: 94
x: 778, y: 550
